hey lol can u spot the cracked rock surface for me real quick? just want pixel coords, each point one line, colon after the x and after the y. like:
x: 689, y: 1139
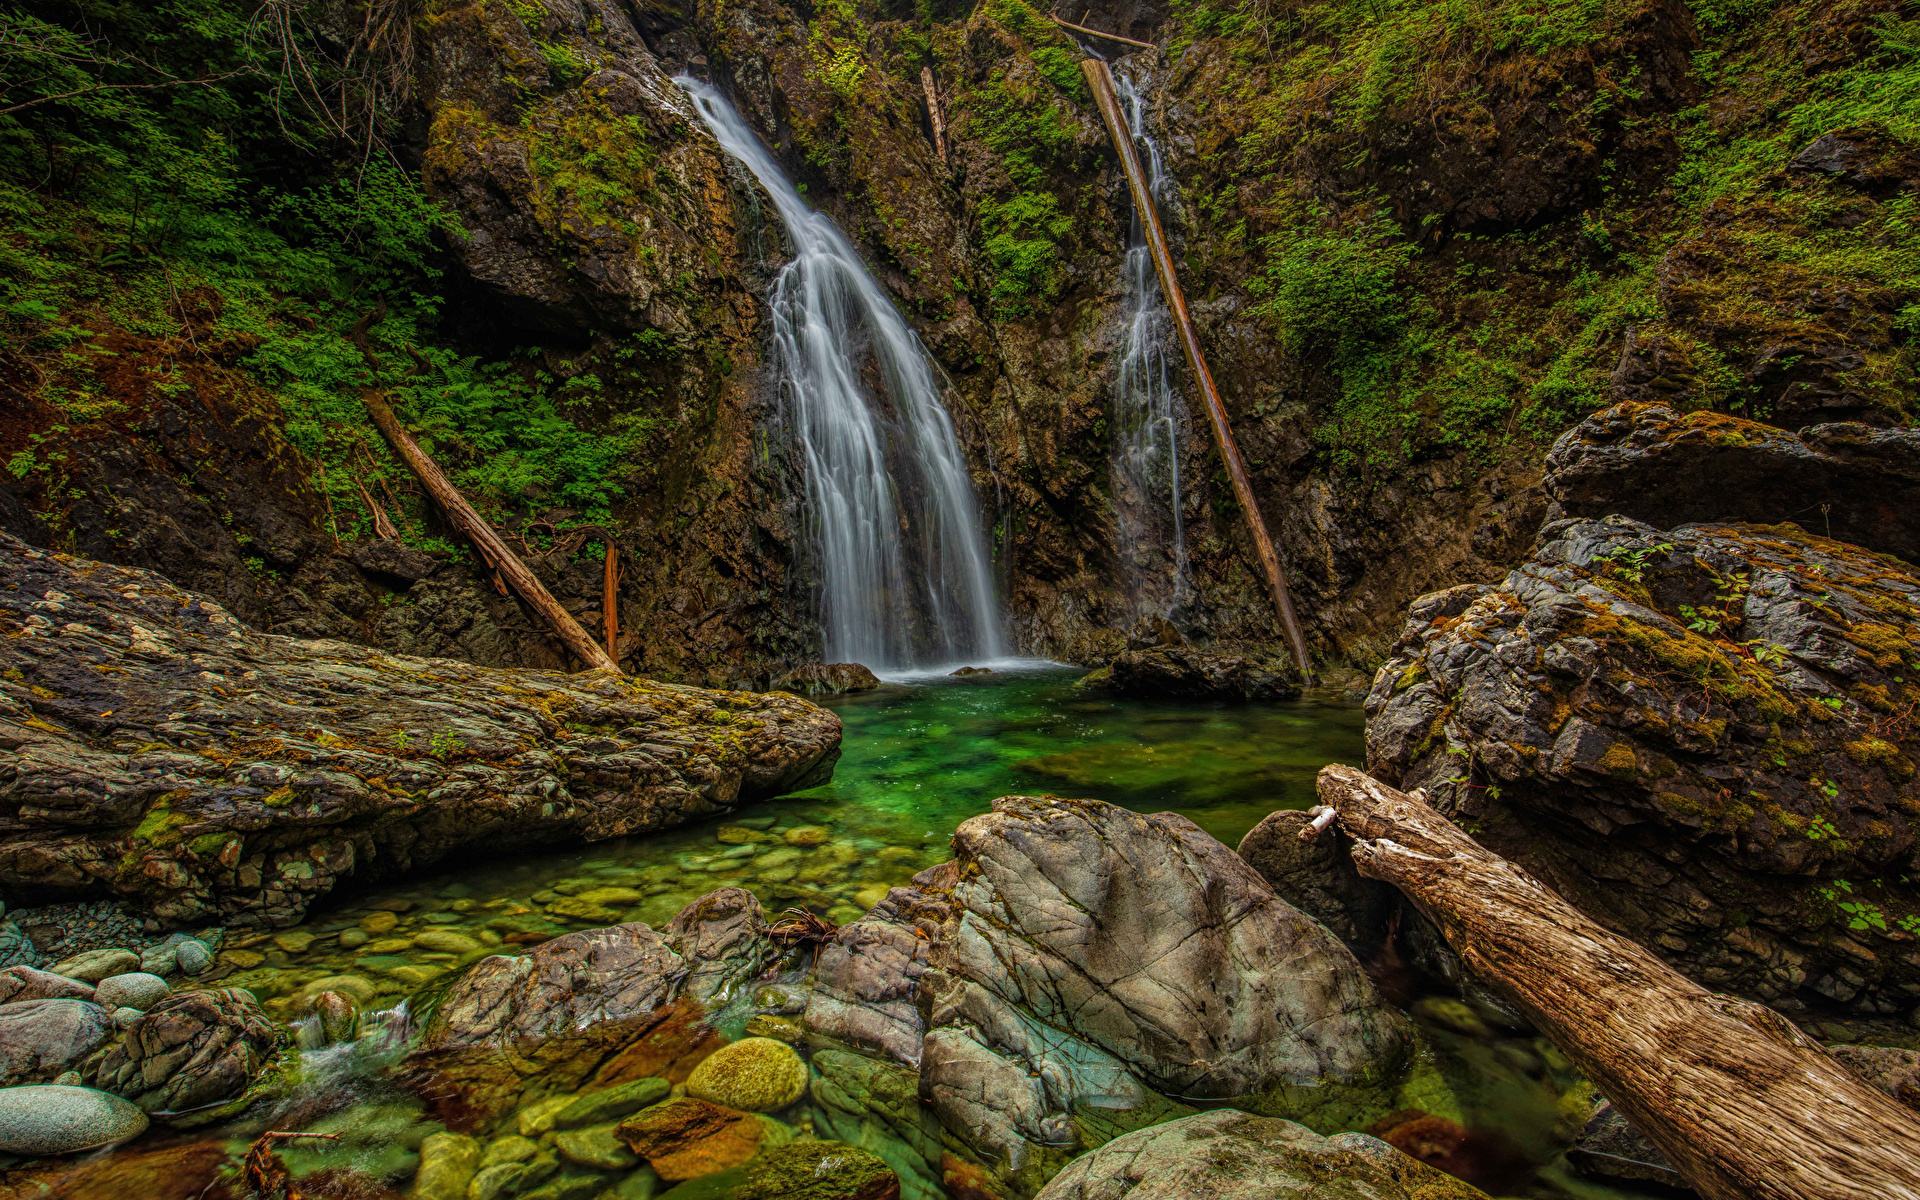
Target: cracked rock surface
x: 157, y: 749
x: 1704, y: 737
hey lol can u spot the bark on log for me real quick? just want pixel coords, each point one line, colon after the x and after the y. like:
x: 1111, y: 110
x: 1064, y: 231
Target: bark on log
x: 494, y: 552
x: 382, y: 527
x: 933, y: 112
x: 1110, y: 36
x: 1739, y: 1100
x: 610, y: 599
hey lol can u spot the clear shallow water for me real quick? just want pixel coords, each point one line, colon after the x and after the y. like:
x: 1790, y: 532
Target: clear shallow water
x: 919, y: 758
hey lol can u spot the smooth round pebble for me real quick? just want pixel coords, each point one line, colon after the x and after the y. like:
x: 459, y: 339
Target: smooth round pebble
x: 755, y: 1074
x: 55, y: 1118
x: 192, y: 957
x: 135, y: 989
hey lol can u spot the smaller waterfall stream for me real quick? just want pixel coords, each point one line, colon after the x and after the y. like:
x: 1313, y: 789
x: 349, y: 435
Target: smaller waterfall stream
x: 904, y: 567
x: 1149, y: 415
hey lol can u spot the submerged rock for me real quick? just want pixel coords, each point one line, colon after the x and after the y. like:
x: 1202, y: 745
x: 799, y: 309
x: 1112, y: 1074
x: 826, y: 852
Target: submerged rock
x: 1228, y: 1155
x: 40, y: 1039
x: 191, y: 1050
x: 688, y: 1138
x: 1697, y: 735
x: 1646, y: 461
x: 1183, y: 672
x: 241, y: 809
x: 1611, y: 1148
x: 53, y: 1118
x: 754, y: 1074
x: 825, y: 679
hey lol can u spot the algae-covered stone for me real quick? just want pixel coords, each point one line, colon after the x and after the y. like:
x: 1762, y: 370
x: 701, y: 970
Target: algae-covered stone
x: 808, y: 835
x: 784, y: 1029
x: 740, y: 835
x: 378, y: 922
x: 448, y: 1163
x: 755, y: 1074
x: 537, y: 1118
x: 446, y: 941
x: 95, y: 965
x: 509, y: 1149
x: 497, y: 1180
x: 817, y: 1171
x: 1229, y: 1155
x: 613, y: 1103
x: 568, y: 1187
x: 595, y: 1146
x: 53, y: 1118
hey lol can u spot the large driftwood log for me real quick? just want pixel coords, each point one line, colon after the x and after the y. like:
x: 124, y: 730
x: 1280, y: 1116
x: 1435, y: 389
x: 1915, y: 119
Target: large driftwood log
x: 1736, y: 1097
x: 475, y: 529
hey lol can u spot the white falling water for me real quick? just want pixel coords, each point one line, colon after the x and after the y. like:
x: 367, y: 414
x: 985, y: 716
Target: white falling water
x: 1148, y: 413
x: 904, y: 569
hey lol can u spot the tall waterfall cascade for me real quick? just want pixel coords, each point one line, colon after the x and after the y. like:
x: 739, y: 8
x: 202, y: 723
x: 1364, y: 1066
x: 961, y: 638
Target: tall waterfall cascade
x: 1149, y: 415
x: 905, y: 575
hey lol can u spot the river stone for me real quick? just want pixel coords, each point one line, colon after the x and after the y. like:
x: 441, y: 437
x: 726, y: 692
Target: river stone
x: 688, y: 1138
x: 193, y: 1049
x: 52, y: 1118
x: 509, y: 1149
x: 1105, y: 923
x: 1184, y: 671
x: 135, y: 989
x: 496, y: 1180
x: 595, y: 1146
x: 754, y: 1074
x: 41, y: 1038
x: 807, y: 835
x: 612, y: 1103
x: 448, y: 1163
x: 1229, y: 1155
x: 446, y: 941
x: 193, y: 957
x: 826, y: 679
x: 95, y: 965
x: 30, y: 983
x: 568, y: 1187
x: 161, y: 958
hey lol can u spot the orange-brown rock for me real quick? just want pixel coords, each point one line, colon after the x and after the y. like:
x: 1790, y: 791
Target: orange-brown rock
x: 688, y: 1138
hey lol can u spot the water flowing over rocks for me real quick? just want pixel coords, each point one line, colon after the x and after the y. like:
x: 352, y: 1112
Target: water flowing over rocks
x: 1702, y: 737
x: 161, y: 750
x: 1233, y: 1156
x: 1848, y: 481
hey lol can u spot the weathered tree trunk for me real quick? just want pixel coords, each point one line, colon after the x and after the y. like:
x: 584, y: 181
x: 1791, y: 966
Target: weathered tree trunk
x: 1109, y: 36
x: 504, y: 562
x: 382, y: 527
x: 610, y: 599
x: 933, y: 112
x: 1736, y: 1097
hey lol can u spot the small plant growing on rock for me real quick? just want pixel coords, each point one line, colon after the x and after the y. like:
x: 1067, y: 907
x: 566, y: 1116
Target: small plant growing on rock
x: 446, y: 744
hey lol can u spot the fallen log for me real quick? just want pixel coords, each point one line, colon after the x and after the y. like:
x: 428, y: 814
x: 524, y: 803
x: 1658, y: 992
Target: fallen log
x: 1114, y: 37
x: 1738, y: 1099
x: 504, y: 563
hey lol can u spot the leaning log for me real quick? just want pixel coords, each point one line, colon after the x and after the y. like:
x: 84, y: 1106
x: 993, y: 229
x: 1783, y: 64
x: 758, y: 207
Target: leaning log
x: 472, y: 526
x: 1738, y: 1099
x: 1100, y: 79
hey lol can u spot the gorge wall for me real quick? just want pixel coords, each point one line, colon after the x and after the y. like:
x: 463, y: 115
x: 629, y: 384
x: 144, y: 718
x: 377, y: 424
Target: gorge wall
x: 1419, y: 243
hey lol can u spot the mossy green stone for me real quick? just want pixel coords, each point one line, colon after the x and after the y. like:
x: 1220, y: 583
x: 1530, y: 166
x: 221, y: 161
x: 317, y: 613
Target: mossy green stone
x: 754, y: 1074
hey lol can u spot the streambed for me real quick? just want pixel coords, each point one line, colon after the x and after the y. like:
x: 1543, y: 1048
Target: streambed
x: 920, y: 757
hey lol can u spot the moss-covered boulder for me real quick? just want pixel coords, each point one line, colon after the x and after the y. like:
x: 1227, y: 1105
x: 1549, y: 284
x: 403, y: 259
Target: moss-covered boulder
x: 755, y: 1074
x: 140, y: 767
x: 1702, y: 736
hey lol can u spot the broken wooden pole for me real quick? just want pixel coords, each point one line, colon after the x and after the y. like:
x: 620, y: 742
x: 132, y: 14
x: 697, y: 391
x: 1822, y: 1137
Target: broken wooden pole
x: 494, y: 552
x: 1738, y: 1099
x: 1101, y: 81
x: 1109, y: 36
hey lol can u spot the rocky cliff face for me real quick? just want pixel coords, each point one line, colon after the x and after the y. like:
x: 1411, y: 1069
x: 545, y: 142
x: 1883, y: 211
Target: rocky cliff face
x: 1406, y: 287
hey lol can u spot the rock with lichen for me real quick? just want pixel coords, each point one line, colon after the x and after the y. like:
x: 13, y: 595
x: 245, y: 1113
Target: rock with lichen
x: 1229, y: 1155
x: 1704, y: 737
x: 158, y: 749
x: 191, y: 1050
x: 1849, y: 481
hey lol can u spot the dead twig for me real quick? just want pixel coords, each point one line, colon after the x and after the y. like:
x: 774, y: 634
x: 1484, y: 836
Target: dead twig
x: 802, y: 926
x: 265, y: 1175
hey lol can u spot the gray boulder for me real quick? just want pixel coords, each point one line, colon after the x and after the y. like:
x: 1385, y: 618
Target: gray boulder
x: 826, y: 679
x: 95, y: 965
x: 1184, y: 672
x: 41, y: 1038
x: 1228, y: 1155
x: 52, y: 1118
x: 16, y: 948
x: 193, y: 957
x: 1317, y: 877
x: 135, y: 990
x: 191, y: 1050
x: 30, y: 983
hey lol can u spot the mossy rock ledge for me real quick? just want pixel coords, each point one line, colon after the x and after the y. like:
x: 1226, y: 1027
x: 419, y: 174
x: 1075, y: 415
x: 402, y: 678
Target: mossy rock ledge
x: 1702, y: 736
x: 158, y: 750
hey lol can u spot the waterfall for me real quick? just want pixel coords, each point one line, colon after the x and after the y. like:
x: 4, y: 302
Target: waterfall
x: 896, y: 531
x: 1148, y: 414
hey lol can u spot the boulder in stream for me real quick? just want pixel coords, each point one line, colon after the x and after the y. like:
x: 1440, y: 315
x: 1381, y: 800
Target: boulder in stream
x: 1185, y: 672
x: 156, y: 748
x: 52, y: 1118
x: 40, y: 1039
x: 191, y: 1050
x: 825, y: 679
